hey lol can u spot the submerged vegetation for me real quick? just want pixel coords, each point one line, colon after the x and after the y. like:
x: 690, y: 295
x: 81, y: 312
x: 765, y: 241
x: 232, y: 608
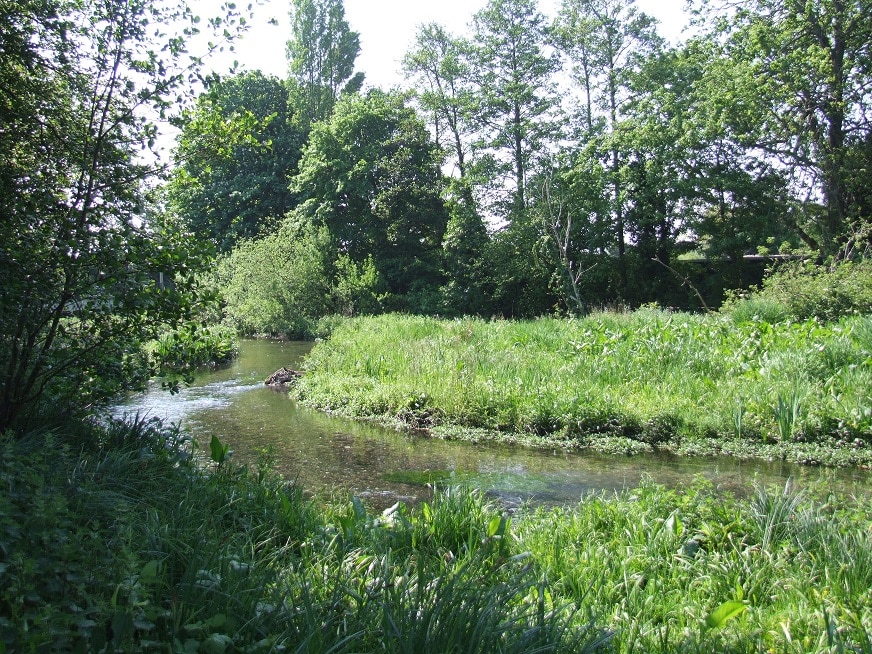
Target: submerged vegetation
x: 646, y: 380
x: 116, y: 539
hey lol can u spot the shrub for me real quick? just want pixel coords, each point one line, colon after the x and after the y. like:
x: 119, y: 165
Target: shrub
x: 803, y: 290
x: 191, y: 347
x: 277, y: 285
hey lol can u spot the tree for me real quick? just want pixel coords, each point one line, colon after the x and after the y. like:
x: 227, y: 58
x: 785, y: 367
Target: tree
x: 513, y: 75
x: 799, y: 99
x: 237, y: 151
x: 371, y: 174
x: 321, y: 55
x: 80, y: 253
x: 739, y: 204
x: 466, y: 287
x: 567, y: 202
x: 608, y: 40
x: 439, y: 63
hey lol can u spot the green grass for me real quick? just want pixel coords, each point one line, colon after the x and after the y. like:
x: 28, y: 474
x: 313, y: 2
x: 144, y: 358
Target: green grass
x: 690, y: 571
x: 116, y: 539
x: 631, y: 382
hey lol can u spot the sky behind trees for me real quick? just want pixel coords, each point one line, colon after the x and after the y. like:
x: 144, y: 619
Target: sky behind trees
x: 387, y: 29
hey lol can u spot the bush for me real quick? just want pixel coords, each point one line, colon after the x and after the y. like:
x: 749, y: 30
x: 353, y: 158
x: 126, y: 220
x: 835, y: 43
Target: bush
x: 277, y: 285
x: 181, y: 350
x: 802, y: 290
x: 285, y: 283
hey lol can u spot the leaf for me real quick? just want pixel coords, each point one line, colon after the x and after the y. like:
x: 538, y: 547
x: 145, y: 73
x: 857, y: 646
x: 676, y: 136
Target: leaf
x: 218, y: 450
x: 216, y: 644
x: 674, y: 525
x: 122, y: 627
x: 359, y: 508
x: 148, y: 575
x: 217, y: 621
x: 725, y: 612
x: 497, y: 526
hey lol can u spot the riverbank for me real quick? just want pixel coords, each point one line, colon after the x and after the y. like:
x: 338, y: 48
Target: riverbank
x: 633, y: 383
x: 117, y: 539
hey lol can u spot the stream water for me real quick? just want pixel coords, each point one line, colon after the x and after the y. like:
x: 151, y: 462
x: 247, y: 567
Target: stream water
x: 324, y: 453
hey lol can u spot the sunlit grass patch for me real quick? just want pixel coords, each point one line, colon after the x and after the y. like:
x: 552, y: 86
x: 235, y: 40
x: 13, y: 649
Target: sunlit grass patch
x: 663, y: 379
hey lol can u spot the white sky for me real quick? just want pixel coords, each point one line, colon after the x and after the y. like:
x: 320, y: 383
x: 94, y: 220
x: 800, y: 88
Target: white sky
x: 387, y: 29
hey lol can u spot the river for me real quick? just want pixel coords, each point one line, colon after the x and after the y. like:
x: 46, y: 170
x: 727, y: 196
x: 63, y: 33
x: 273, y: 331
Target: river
x: 325, y: 453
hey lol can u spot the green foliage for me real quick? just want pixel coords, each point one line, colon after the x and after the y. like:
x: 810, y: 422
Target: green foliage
x: 630, y: 382
x: 236, y: 560
x: 287, y: 282
x: 355, y: 288
x: 192, y: 346
x: 237, y: 150
x: 466, y: 290
x: 802, y: 290
x: 520, y: 273
x: 513, y: 76
x: 278, y: 284
x: 321, y: 55
x: 440, y: 66
x: 115, y: 537
x: 697, y: 570
x: 81, y: 251
x: 370, y: 175
x: 790, y: 82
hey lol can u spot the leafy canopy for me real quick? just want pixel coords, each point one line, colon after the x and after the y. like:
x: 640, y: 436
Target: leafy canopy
x: 82, y: 251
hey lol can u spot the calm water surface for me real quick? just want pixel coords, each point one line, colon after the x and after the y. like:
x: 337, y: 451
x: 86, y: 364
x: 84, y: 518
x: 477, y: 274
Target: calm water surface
x: 325, y: 453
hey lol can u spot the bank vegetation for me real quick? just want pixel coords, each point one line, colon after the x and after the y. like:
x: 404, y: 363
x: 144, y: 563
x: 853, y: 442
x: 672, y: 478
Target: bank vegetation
x: 127, y: 537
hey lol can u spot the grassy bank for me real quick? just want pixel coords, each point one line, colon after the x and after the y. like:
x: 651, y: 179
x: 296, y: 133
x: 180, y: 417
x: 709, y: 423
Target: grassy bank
x: 115, y: 540
x: 618, y: 382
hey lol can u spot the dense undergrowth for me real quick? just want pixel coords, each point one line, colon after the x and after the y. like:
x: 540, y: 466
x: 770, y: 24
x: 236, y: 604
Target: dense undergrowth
x: 616, y: 381
x: 192, y: 347
x: 116, y: 540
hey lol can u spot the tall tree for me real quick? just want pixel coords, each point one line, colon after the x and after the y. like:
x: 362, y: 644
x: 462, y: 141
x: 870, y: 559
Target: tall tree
x: 513, y: 71
x: 801, y: 97
x: 371, y: 174
x: 607, y: 40
x: 739, y: 204
x: 438, y: 62
x: 80, y: 254
x: 237, y: 151
x: 321, y: 54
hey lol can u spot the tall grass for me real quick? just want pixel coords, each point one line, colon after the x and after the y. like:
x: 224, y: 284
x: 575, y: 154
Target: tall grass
x: 693, y: 571
x: 116, y: 540
x: 651, y: 377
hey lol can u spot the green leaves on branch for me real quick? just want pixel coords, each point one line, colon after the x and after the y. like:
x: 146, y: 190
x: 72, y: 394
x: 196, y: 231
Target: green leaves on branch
x: 370, y: 175
x: 237, y: 150
x: 321, y: 55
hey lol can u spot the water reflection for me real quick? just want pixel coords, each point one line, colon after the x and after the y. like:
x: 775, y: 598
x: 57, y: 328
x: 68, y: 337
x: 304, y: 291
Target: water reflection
x: 324, y: 453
